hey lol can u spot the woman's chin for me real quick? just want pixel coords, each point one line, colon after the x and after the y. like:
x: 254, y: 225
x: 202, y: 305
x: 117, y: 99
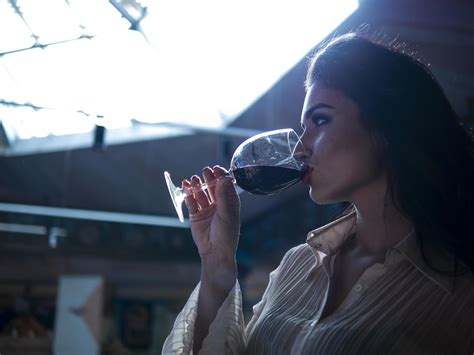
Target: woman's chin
x: 317, y: 197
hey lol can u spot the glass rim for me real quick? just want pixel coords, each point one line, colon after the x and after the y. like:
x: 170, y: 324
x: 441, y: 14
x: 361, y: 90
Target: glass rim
x: 271, y: 133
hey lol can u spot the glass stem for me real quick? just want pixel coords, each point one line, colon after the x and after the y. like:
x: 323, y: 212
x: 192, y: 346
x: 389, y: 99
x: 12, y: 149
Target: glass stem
x: 204, y: 186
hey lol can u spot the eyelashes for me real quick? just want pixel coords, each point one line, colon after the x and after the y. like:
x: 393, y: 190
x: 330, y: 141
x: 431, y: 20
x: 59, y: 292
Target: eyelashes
x: 319, y: 119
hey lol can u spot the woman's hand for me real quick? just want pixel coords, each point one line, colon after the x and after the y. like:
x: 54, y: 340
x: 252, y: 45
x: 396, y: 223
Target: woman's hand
x: 215, y: 225
x: 214, y: 216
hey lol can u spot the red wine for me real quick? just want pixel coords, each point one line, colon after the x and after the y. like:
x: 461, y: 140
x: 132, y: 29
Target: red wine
x: 265, y: 180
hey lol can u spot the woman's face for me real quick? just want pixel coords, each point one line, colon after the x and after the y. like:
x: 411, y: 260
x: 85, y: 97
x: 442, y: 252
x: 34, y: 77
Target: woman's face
x: 338, y: 148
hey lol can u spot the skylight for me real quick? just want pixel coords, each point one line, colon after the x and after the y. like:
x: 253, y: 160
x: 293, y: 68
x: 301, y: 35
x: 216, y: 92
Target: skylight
x: 195, y: 62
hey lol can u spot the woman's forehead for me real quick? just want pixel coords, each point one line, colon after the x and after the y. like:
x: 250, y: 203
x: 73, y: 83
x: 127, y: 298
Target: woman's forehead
x: 322, y: 94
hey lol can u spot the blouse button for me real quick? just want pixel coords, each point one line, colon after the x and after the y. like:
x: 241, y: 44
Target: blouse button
x: 358, y: 288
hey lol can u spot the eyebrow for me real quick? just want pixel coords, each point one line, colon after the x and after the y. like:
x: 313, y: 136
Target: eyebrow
x: 315, y: 107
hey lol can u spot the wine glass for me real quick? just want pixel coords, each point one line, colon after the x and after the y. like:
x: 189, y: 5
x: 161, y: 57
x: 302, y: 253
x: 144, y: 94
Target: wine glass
x: 263, y: 164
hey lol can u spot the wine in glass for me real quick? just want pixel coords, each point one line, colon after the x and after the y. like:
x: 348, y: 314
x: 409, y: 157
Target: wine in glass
x: 263, y: 164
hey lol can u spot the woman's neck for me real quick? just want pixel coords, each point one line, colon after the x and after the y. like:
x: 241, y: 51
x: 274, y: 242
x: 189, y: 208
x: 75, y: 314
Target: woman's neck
x: 380, y: 225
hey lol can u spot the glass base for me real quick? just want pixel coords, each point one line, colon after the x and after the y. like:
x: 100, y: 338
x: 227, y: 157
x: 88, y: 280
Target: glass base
x: 176, y: 196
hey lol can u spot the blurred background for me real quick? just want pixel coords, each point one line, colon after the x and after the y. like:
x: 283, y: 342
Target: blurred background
x: 98, y: 98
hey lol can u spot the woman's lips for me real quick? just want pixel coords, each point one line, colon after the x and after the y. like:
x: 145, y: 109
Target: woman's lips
x: 307, y: 177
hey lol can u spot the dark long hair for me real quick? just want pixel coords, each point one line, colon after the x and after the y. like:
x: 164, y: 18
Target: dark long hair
x: 428, y: 154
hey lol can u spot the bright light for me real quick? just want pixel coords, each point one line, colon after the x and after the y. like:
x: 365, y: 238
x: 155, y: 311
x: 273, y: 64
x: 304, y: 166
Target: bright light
x: 235, y: 51
x: 203, y: 64
x: 28, y: 123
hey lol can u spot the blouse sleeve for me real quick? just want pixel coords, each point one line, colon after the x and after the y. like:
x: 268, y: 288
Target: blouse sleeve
x: 226, y: 332
x: 273, y: 284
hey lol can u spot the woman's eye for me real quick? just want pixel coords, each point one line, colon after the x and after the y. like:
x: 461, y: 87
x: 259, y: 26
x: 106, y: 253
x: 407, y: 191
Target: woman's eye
x: 319, y: 120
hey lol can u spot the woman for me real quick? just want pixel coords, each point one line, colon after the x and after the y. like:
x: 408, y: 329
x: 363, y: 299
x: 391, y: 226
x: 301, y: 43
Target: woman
x: 394, y: 274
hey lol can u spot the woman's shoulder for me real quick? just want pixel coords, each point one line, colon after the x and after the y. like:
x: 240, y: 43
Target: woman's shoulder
x: 297, y: 261
x: 300, y: 251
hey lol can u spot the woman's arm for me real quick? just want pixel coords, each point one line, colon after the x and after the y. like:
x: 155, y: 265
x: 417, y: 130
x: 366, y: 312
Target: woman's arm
x: 215, y: 226
x: 216, y: 283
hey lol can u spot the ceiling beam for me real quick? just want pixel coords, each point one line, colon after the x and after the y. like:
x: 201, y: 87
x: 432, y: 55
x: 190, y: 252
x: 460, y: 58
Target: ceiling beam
x: 103, y: 216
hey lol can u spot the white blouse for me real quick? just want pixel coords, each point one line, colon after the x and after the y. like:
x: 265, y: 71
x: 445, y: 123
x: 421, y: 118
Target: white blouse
x: 398, y: 307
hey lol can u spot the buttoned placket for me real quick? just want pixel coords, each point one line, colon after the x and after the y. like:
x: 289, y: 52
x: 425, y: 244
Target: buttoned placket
x: 353, y: 294
x: 328, y: 265
x: 369, y: 276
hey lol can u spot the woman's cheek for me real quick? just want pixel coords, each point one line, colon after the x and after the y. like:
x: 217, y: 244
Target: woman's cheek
x: 318, y: 143
x: 319, y: 139
x: 322, y: 149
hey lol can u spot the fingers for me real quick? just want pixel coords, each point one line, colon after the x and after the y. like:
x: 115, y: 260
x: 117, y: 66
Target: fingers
x: 219, y: 171
x: 210, y: 178
x: 199, y: 199
x: 199, y: 195
x: 225, y: 191
x: 190, y: 202
x: 225, y: 188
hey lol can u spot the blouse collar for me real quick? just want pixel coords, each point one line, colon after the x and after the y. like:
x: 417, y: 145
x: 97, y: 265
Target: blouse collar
x: 329, y: 238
